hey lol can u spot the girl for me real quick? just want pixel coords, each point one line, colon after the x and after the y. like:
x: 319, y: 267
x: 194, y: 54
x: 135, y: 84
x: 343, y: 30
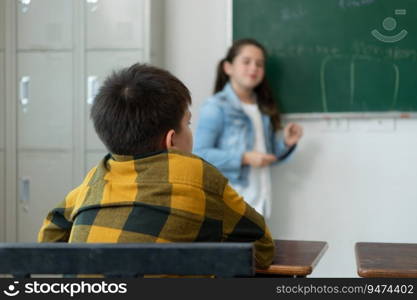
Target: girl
x: 238, y: 124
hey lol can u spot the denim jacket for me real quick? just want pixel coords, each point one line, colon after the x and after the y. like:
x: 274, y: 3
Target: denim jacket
x: 224, y: 133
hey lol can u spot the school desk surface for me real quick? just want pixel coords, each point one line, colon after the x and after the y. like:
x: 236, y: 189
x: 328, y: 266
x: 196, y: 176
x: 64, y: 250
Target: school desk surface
x: 294, y: 258
x: 386, y: 260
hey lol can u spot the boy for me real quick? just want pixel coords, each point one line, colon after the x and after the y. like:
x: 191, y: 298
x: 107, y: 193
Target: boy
x: 150, y: 188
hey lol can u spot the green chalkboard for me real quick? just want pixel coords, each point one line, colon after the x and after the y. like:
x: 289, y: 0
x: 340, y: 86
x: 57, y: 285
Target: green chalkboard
x: 336, y: 55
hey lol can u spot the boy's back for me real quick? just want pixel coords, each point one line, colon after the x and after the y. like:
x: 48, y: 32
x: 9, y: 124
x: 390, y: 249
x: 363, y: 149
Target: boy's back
x: 167, y: 197
x: 160, y: 195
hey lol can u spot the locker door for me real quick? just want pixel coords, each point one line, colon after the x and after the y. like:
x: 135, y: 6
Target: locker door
x: 44, y: 24
x: 45, y: 100
x: 2, y: 197
x: 99, y: 65
x: 2, y: 90
x: 44, y: 136
x: 2, y: 145
x: 115, y: 24
x: 2, y: 104
x: 44, y: 180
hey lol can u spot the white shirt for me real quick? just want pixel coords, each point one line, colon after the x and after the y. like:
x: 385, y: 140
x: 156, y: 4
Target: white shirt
x: 258, y: 192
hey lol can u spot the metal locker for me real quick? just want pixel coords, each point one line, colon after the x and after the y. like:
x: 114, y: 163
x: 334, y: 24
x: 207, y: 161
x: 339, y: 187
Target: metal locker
x: 2, y: 105
x: 114, y: 24
x: 45, y: 100
x: 44, y: 138
x: 99, y: 65
x: 2, y: 196
x: 2, y: 145
x: 43, y: 182
x: 52, y: 53
x: 44, y: 24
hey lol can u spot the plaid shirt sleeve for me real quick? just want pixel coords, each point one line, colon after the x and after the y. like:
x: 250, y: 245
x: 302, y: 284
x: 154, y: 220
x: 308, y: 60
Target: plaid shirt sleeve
x: 57, y: 225
x: 242, y: 223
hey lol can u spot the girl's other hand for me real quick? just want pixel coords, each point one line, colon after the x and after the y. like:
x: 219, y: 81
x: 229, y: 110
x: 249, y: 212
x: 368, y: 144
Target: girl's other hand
x: 258, y: 159
x: 292, y: 134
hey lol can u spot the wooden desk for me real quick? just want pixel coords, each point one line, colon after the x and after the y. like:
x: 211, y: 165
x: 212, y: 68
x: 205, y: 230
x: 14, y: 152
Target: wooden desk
x: 294, y: 258
x: 386, y: 260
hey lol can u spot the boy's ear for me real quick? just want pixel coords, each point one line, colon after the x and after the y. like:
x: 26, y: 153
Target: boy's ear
x: 169, y: 139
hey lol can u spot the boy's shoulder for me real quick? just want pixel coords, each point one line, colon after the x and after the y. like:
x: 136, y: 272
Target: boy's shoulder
x: 189, y: 168
x: 173, y: 166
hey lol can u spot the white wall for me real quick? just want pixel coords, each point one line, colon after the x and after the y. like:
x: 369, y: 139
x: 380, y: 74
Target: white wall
x: 352, y: 183
x: 195, y: 40
x: 348, y: 186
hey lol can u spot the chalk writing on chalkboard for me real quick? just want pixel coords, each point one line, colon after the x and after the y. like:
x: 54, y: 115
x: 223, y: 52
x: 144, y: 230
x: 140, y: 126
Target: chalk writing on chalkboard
x: 354, y: 3
x: 391, y: 71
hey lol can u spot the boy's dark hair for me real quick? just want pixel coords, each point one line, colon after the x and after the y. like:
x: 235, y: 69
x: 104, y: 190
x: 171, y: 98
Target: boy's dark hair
x: 136, y: 106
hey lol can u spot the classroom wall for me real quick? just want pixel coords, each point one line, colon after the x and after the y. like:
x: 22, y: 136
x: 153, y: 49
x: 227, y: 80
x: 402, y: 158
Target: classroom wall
x: 349, y: 181
x: 195, y: 40
x: 350, y: 185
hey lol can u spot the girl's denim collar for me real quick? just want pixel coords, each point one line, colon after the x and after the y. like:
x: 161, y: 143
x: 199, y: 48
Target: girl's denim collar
x: 232, y: 97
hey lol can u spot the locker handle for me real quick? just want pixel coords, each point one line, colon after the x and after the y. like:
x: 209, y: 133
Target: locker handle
x: 24, y: 193
x: 93, y: 5
x: 92, y: 89
x: 24, y: 91
x: 24, y: 5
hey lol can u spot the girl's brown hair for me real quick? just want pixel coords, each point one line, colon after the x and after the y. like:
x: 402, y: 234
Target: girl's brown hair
x: 266, y: 102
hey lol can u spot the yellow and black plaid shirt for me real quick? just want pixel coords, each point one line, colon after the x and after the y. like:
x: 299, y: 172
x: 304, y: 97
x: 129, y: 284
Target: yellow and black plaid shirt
x: 170, y: 196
